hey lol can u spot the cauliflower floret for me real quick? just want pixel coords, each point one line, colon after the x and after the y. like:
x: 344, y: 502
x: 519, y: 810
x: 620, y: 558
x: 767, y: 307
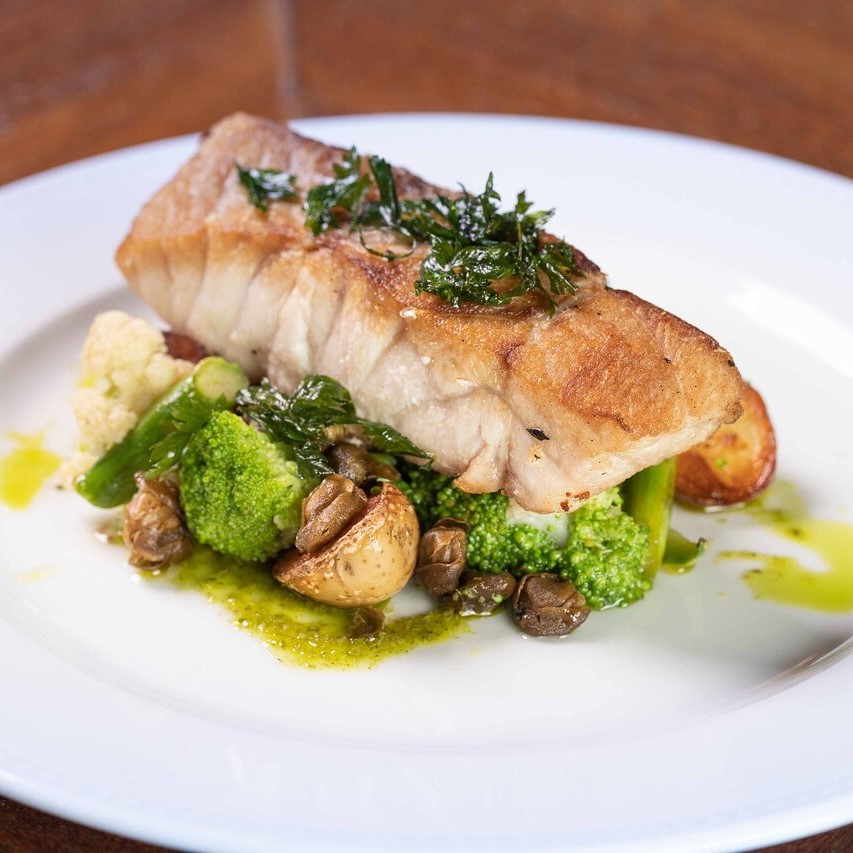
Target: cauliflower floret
x: 102, y: 420
x: 126, y: 357
x: 126, y: 367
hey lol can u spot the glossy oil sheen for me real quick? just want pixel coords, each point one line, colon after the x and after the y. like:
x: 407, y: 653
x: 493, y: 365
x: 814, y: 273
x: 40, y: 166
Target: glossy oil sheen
x: 296, y: 629
x: 25, y: 470
x: 781, y: 577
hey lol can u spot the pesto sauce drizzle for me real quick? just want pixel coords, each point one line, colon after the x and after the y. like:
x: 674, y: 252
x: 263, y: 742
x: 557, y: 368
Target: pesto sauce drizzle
x: 25, y: 470
x: 296, y: 629
x: 783, y: 579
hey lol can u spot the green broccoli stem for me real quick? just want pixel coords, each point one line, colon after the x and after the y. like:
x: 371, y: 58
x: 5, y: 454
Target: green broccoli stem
x: 110, y: 481
x: 648, y: 499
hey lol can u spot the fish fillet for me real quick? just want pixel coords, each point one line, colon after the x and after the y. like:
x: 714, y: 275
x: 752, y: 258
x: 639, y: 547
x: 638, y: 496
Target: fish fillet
x: 549, y: 410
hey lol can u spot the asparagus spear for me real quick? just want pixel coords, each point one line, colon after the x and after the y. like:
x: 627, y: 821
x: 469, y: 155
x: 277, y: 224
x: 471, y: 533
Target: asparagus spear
x: 681, y: 553
x: 186, y: 406
x: 648, y: 498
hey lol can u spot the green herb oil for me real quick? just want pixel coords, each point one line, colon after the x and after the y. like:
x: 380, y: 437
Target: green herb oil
x: 782, y: 578
x: 296, y: 629
x: 25, y: 470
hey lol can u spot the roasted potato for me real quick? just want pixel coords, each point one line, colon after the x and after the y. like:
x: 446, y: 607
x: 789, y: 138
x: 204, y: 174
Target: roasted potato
x: 368, y: 562
x: 732, y: 465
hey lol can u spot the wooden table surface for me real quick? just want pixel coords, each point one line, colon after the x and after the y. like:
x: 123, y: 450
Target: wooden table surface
x: 85, y: 77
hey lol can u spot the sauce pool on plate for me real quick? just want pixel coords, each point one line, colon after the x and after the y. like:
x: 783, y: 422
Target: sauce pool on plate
x: 25, y: 470
x: 296, y: 629
x: 781, y: 578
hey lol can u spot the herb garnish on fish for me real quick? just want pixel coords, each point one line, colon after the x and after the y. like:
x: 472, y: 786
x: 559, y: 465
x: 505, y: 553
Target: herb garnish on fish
x: 327, y: 204
x: 473, y: 243
x: 266, y: 185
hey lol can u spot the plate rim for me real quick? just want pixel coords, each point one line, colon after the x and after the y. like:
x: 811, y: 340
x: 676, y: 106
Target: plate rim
x: 111, y: 820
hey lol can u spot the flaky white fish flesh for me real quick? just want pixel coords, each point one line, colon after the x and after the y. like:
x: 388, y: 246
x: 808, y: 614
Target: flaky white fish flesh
x: 549, y: 410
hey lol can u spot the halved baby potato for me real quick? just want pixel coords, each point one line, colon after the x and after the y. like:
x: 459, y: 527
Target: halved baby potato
x: 366, y: 563
x: 732, y: 465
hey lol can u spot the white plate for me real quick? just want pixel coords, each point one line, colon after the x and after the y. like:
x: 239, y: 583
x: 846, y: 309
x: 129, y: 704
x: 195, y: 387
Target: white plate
x: 699, y: 719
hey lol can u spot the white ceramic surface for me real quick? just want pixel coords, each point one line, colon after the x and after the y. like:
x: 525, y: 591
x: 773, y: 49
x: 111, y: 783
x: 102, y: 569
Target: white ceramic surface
x: 700, y: 719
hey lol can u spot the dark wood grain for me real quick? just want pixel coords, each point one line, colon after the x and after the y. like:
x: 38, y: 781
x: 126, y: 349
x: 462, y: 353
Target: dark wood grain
x: 775, y: 75
x: 89, y: 76
x: 79, y: 78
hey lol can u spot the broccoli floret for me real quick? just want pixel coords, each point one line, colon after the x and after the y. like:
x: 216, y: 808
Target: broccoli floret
x: 606, y: 553
x: 494, y: 543
x: 240, y: 492
x: 421, y: 485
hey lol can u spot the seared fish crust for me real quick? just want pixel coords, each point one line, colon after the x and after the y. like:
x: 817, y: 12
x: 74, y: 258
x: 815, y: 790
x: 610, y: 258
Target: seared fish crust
x: 550, y: 410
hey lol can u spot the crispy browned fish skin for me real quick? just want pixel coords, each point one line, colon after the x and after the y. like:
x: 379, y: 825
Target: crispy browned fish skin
x: 549, y: 410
